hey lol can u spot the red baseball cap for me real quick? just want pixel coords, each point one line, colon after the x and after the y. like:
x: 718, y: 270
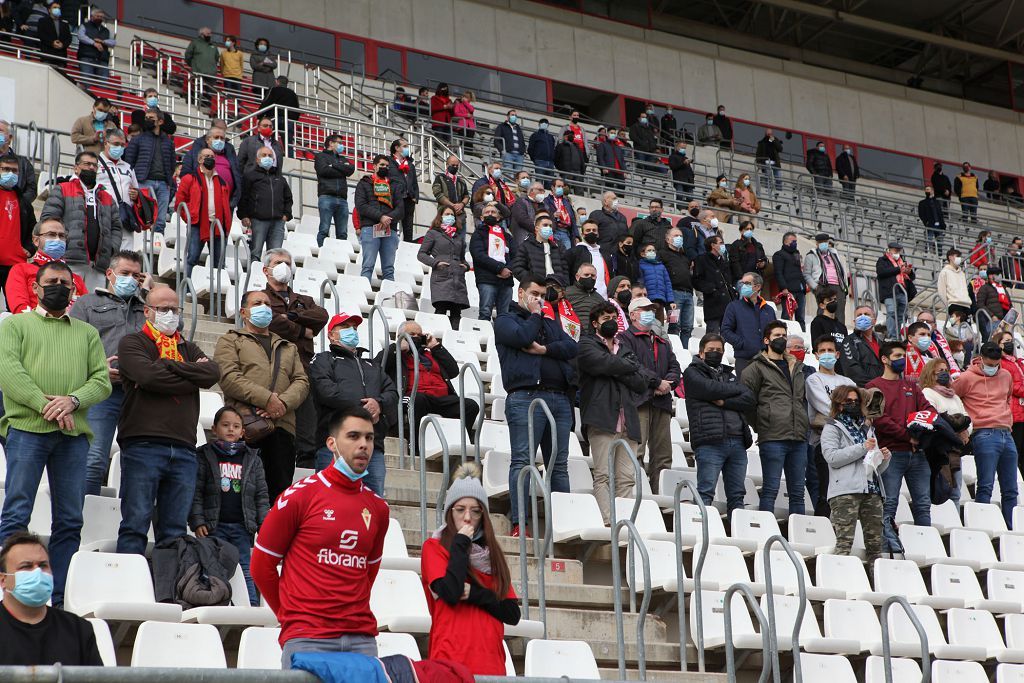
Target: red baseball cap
x: 342, y: 318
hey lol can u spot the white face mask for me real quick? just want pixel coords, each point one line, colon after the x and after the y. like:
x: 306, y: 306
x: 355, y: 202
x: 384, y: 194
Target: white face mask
x: 714, y: 222
x: 615, y: 203
x: 166, y: 323
x: 282, y: 272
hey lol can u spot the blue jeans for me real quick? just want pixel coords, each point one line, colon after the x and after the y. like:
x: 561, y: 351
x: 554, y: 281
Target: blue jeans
x: 269, y: 233
x: 493, y: 297
x: 995, y: 454
x: 517, y: 408
x: 195, y: 250
x: 385, y: 246
x: 777, y: 456
x: 375, y: 470
x: 895, y: 312
x: 728, y: 459
x: 64, y: 458
x: 102, y: 419
x: 512, y: 162
x: 684, y: 302
x: 155, y: 471
x: 545, y: 172
x: 162, y: 192
x: 562, y: 237
x: 914, y: 468
x: 330, y: 208
x: 236, y: 534
x: 89, y: 67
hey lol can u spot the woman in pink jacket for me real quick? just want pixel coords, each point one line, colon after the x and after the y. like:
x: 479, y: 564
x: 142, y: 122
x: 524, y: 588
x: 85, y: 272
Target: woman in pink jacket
x: 464, y: 117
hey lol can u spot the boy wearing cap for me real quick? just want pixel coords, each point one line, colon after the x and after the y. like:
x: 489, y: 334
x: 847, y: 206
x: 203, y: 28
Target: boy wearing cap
x: 340, y: 378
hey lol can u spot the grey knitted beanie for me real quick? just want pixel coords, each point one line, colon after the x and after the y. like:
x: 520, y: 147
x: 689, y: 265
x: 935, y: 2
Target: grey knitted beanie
x: 465, y: 484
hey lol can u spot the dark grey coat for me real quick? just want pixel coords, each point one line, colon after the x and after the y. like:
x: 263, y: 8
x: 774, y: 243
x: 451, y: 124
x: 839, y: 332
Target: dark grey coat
x: 448, y: 283
x: 206, y: 500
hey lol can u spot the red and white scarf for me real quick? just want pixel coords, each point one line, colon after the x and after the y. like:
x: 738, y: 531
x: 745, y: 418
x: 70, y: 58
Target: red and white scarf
x: 497, y: 244
x: 403, y: 163
x: 1004, y: 298
x: 566, y: 317
x: 503, y: 194
x: 577, y: 137
x: 898, y: 263
x: 939, y: 349
x: 562, y: 211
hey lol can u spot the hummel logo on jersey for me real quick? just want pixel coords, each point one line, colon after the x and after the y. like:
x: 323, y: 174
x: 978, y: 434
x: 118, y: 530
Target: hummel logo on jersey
x: 328, y: 515
x: 349, y: 539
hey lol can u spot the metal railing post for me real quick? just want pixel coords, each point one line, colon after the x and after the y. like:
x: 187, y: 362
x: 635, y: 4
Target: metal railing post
x: 730, y: 650
x: 677, y: 523
x: 770, y: 597
x: 400, y: 380
x: 378, y: 311
x: 432, y: 421
x: 177, y: 241
x: 633, y: 538
x: 186, y: 287
x: 926, y: 668
x: 613, y: 451
x: 216, y: 288
x: 478, y: 423
x: 324, y: 286
x: 541, y: 547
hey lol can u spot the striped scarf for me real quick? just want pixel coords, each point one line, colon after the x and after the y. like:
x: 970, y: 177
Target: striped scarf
x: 166, y: 346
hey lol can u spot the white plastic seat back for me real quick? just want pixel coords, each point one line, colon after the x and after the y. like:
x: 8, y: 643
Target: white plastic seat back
x: 754, y: 524
x: 1011, y: 549
x: 985, y: 516
x: 953, y: 581
x: 1006, y: 585
x: 842, y: 572
x: 662, y: 555
x: 899, y: 577
x: 812, y: 530
x: 923, y: 544
x: 831, y: 668
x: 969, y: 544
x: 958, y: 672
x: 902, y: 630
x: 783, y: 572
x: 1010, y: 673
x: 648, y: 517
x: 398, y: 602
x: 571, y: 512
x: 398, y: 644
x: 902, y: 670
x: 394, y: 541
x: 724, y: 564
x: 258, y: 648
x: 1014, y: 628
x: 95, y: 578
x: 852, y: 620
x: 187, y: 646
x: 974, y: 627
x: 713, y: 610
x: 690, y: 522
x: 104, y: 642
x: 558, y: 658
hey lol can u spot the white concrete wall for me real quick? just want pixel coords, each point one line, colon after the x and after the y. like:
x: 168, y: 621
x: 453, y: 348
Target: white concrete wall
x: 574, y: 48
x: 35, y: 92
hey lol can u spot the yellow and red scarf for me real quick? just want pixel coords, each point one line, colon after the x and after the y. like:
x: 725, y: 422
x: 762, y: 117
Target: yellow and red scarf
x: 166, y: 346
x: 382, y: 190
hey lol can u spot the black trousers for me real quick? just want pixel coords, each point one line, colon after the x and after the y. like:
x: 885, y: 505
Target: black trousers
x: 305, y: 433
x: 277, y: 452
x: 822, y: 509
x: 446, y: 406
x: 409, y: 210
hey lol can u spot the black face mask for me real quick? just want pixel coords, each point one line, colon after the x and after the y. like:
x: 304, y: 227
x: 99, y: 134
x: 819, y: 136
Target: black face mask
x: 148, y: 125
x: 943, y: 378
x: 832, y: 306
x: 382, y: 172
x: 575, y: 120
x: 625, y: 248
x: 777, y: 345
x: 551, y: 294
x: 586, y: 283
x: 1008, y: 348
x: 713, y: 358
x: 791, y: 247
x: 56, y: 297
x: 443, y: 91
x: 88, y: 177
x: 590, y: 238
x: 207, y: 38
x: 490, y: 221
x: 209, y: 163
x: 694, y: 212
x: 853, y: 410
x: 453, y: 169
x: 419, y: 340
x: 608, y: 328
x: 623, y: 297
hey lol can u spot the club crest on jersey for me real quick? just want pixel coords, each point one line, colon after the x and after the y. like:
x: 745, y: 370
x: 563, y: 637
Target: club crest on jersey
x: 328, y: 515
x: 367, y: 517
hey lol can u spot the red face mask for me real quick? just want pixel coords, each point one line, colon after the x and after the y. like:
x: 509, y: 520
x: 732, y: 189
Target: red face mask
x: 799, y: 355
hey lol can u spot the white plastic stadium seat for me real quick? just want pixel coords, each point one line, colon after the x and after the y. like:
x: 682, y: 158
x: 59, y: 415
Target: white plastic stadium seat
x: 831, y: 668
x: 258, y: 648
x: 923, y: 545
x: 558, y: 658
x: 398, y: 602
x: 185, y: 646
x: 972, y: 546
x: 786, y: 607
x: 102, y: 518
x: 1010, y: 673
x: 846, y: 573
x: 903, y: 577
x: 744, y: 636
x: 396, y: 554
x: 902, y: 670
x: 784, y: 577
x: 115, y: 587
x: 978, y: 628
x: 576, y: 517
x: 961, y: 582
x: 724, y: 565
x: 856, y: 620
x: 987, y: 517
x: 397, y: 644
x: 958, y: 672
x: 760, y: 527
x: 812, y: 531
x: 902, y: 630
x: 104, y: 643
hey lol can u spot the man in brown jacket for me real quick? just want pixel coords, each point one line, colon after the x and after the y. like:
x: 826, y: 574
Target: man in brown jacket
x: 161, y: 375
x: 89, y: 131
x: 298, y: 319
x: 247, y: 358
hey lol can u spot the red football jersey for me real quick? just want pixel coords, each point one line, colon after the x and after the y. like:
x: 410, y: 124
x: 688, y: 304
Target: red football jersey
x: 328, y: 533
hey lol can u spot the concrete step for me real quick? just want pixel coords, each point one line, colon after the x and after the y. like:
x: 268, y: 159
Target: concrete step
x: 659, y: 655
x: 594, y: 626
x: 612, y: 674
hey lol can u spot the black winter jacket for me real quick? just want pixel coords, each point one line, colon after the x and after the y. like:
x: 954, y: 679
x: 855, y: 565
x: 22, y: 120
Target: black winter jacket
x: 206, y: 501
x: 406, y: 182
x: 788, y: 274
x: 818, y: 163
x: 678, y: 265
x: 713, y: 277
x: 644, y: 137
x: 768, y: 150
x: 649, y: 231
x: 569, y: 158
x: 332, y: 172
x: 529, y: 260
x: 654, y: 367
x: 887, y: 279
x: 370, y: 210
x: 608, y: 383
x: 682, y: 169
x: 930, y: 212
x: 743, y: 259
x: 265, y: 195
x: 485, y: 267
x: 610, y: 227
x: 580, y: 254
x: 711, y: 423
x: 339, y: 378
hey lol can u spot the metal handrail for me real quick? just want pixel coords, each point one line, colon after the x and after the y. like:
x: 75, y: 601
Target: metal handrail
x: 432, y: 421
x: 324, y: 286
x: 634, y: 538
x: 926, y: 669
x: 376, y: 309
x: 216, y: 289
x: 399, y: 381
x: 677, y: 513
x: 541, y: 547
x: 184, y: 287
x: 770, y: 597
x: 177, y: 240
x: 730, y: 652
x: 552, y: 425
x: 613, y: 451
x: 478, y: 423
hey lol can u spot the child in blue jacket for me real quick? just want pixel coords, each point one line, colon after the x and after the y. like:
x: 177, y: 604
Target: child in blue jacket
x: 656, y: 279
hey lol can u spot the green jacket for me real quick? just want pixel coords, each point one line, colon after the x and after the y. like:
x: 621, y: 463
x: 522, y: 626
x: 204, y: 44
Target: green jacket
x: 781, y: 411
x: 202, y: 57
x: 42, y: 357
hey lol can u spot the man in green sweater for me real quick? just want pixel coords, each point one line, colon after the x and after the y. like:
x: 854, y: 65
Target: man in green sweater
x: 52, y: 369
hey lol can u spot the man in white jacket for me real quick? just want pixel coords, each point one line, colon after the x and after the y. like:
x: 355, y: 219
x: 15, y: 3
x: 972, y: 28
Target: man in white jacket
x: 953, y: 286
x: 119, y: 179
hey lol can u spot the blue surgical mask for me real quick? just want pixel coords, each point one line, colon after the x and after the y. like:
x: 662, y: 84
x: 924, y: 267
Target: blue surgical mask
x: 8, y: 179
x: 612, y: 136
x: 644, y: 121
x: 647, y: 318
x: 3, y: 139
x: 677, y: 242
x: 32, y: 588
x: 115, y: 152
x: 651, y: 256
x: 748, y: 234
x: 125, y: 286
x: 349, y: 337
x: 261, y: 315
x: 153, y: 101
x: 513, y: 118
x: 746, y: 291
x: 990, y: 370
x: 545, y: 232
x: 983, y: 274
x: 863, y: 323
x: 54, y: 248
x: 823, y: 247
x: 217, y: 145
x: 343, y: 467
x: 100, y: 116
x: 267, y: 162
x: 55, y: 12
x: 988, y: 240
x: 339, y: 148
x: 261, y: 48
x: 559, y: 191
x: 448, y: 219
x: 543, y: 126
x: 524, y: 182
x: 923, y: 343
x: 746, y: 182
x: 406, y: 152
x: 496, y: 173
x: 827, y: 360
x: 722, y: 249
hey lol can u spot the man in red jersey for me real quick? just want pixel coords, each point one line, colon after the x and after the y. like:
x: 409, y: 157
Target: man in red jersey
x: 328, y: 531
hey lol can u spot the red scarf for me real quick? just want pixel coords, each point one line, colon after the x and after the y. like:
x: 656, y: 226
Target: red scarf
x: 497, y: 243
x: 403, y: 163
x: 915, y: 362
x: 561, y: 212
x: 898, y: 263
x: 567, y: 317
x: 503, y: 194
x: 449, y: 229
x: 1004, y: 298
x: 166, y: 345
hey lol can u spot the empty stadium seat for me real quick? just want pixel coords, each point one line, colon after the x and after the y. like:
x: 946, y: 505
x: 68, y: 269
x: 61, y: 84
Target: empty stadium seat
x: 258, y: 648
x: 760, y: 527
x: 101, y: 519
x: 977, y: 628
x: 962, y: 583
x: 690, y: 526
x: 974, y: 549
x: 901, y: 629
x: 397, y: 644
x: 104, y: 642
x: 116, y: 587
x: 1010, y: 673
x: 576, y: 517
x: 958, y: 672
x: 986, y: 517
x: 784, y: 577
x: 846, y: 573
x: 185, y: 646
x: 902, y: 670
x: 813, y: 532
x: 923, y: 545
x: 398, y: 602
x: 724, y: 566
x: 856, y: 620
x: 1006, y: 586
x: 558, y: 658
x: 811, y: 640
x: 744, y: 637
x: 903, y: 577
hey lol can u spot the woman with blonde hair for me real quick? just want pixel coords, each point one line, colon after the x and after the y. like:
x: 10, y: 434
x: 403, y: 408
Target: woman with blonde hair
x: 745, y: 195
x: 854, y: 488
x: 467, y: 581
x: 936, y: 385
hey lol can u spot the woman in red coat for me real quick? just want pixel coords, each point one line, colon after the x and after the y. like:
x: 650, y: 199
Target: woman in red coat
x: 207, y: 198
x: 441, y: 107
x: 467, y: 581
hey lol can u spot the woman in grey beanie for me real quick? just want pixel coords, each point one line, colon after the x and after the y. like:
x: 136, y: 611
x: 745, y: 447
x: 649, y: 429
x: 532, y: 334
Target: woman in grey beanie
x: 468, y: 580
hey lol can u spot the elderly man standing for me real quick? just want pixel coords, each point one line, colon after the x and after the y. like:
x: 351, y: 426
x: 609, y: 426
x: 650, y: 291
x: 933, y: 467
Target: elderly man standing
x: 262, y: 377
x: 298, y: 319
x: 661, y: 373
x: 162, y: 374
x: 745, y: 320
x: 202, y: 57
x: 44, y: 404
x: 611, y: 223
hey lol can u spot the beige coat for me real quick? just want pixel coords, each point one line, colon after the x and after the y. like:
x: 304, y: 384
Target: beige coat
x: 245, y: 374
x: 84, y: 135
x: 719, y: 199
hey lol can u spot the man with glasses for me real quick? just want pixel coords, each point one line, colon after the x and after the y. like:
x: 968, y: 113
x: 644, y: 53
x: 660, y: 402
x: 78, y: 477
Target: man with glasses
x: 162, y: 374
x: 745, y: 321
x: 115, y: 311
x: 49, y: 239
x: 52, y: 370
x: 117, y: 176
